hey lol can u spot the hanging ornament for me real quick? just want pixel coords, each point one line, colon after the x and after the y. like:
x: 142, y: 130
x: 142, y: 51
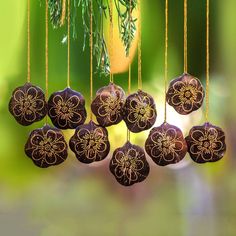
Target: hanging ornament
x: 108, y: 104
x: 66, y: 108
x: 129, y: 165
x: 166, y: 145
x: 90, y: 143
x: 185, y: 93
x: 46, y: 147
x: 109, y: 100
x: 27, y: 103
x: 206, y: 143
x: 139, y: 112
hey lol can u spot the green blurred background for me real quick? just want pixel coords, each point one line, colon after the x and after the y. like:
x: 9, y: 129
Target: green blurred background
x: 75, y: 199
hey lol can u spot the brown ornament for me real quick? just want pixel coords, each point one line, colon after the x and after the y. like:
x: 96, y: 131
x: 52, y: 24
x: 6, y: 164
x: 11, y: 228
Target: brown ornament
x: 206, y: 143
x: 46, y: 147
x: 185, y: 94
x: 90, y: 143
x: 27, y: 104
x: 66, y: 109
x: 139, y: 112
x: 129, y: 165
x: 108, y: 104
x: 166, y: 145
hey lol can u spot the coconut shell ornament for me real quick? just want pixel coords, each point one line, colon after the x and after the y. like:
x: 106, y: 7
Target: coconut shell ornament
x: 206, y: 143
x: 139, y: 112
x: 90, y: 143
x: 46, y: 147
x: 27, y: 104
x: 129, y: 165
x: 185, y: 94
x: 166, y: 145
x: 108, y: 104
x: 66, y: 109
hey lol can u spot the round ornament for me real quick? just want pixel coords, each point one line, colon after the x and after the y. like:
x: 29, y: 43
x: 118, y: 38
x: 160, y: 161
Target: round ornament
x: 46, y: 147
x: 90, y: 143
x: 66, y: 109
x: 185, y: 94
x: 129, y: 165
x: 108, y: 104
x: 139, y: 112
x: 27, y: 104
x: 166, y: 145
x: 206, y: 143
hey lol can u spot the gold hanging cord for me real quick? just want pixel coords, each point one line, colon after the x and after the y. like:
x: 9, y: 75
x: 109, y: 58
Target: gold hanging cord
x: 111, y: 37
x: 166, y: 56
x: 140, y: 84
x: 46, y: 53
x: 185, y: 36
x: 207, y: 59
x: 68, y: 43
x: 91, y: 55
x: 28, y: 42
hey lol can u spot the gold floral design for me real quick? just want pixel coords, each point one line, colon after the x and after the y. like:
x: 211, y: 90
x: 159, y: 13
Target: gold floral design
x: 129, y: 165
x: 67, y: 109
x: 185, y: 94
x: 108, y: 104
x: 46, y: 147
x: 90, y: 143
x: 166, y: 145
x: 206, y: 143
x: 28, y: 104
x: 139, y: 112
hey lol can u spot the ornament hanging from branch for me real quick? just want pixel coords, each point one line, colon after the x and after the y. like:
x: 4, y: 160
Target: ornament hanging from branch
x: 206, y: 143
x: 66, y: 108
x: 27, y: 103
x: 185, y: 93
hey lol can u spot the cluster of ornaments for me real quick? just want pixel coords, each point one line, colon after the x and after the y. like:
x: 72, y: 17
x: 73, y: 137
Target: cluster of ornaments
x: 165, y: 144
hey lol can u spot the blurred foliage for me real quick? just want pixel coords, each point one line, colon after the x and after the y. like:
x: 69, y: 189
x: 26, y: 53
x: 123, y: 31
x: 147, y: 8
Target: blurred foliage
x: 74, y: 199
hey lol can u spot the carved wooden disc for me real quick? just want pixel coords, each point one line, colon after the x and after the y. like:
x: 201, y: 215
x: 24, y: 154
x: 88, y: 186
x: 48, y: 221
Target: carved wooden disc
x: 46, y: 147
x: 139, y: 112
x: 206, y: 143
x: 108, y: 104
x: 66, y: 109
x: 27, y: 104
x: 185, y: 94
x: 90, y: 143
x: 166, y: 145
x: 129, y: 165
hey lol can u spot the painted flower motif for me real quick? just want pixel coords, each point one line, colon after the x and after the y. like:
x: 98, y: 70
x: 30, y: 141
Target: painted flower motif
x: 139, y: 112
x: 108, y: 104
x: 206, y: 143
x: 90, y: 143
x: 46, y: 147
x: 166, y: 145
x: 185, y: 94
x: 28, y: 104
x: 129, y: 165
x: 67, y: 109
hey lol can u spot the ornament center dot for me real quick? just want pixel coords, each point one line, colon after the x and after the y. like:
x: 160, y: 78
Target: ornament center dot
x: 187, y: 94
x: 206, y: 144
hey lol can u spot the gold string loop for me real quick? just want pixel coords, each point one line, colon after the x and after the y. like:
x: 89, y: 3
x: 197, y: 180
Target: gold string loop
x: 207, y: 59
x: 185, y: 36
x: 166, y: 56
x: 28, y: 42
x: 140, y: 84
x: 91, y: 56
x: 68, y: 43
x: 63, y: 13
